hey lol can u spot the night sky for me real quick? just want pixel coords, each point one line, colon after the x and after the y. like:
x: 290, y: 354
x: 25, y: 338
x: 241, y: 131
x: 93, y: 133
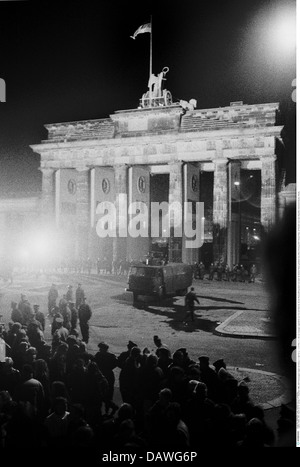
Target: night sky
x: 72, y: 60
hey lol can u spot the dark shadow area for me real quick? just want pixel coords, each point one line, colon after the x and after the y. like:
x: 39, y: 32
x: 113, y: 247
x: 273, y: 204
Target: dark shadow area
x: 218, y: 299
x: 176, y: 318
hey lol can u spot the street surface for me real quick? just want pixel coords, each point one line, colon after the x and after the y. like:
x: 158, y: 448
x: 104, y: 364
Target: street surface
x: 116, y: 320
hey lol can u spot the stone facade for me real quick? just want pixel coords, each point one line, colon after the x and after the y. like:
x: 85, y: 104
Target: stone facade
x: 167, y: 139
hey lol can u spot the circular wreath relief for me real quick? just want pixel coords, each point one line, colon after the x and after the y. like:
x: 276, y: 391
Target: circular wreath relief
x: 105, y: 185
x: 194, y: 183
x: 141, y: 184
x: 72, y: 186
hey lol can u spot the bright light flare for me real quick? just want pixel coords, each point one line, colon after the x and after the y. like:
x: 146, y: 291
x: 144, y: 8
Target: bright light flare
x: 283, y: 32
x: 42, y: 246
x: 23, y: 254
x: 39, y: 247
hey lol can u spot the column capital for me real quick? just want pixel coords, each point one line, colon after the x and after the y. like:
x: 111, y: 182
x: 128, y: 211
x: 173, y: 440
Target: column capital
x: 220, y: 160
x: 46, y: 170
x: 268, y: 158
x: 119, y: 168
x: 176, y: 166
x: 83, y: 168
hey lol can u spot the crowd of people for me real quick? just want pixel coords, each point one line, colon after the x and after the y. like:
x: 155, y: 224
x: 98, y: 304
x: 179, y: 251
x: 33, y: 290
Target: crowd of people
x: 56, y: 393
x: 222, y: 272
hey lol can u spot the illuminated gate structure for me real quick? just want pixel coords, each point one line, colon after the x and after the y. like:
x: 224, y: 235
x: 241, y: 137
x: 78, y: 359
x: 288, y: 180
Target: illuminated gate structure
x: 225, y: 157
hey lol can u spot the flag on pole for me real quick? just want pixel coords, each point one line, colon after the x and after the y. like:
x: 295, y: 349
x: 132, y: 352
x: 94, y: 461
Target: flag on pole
x: 142, y: 29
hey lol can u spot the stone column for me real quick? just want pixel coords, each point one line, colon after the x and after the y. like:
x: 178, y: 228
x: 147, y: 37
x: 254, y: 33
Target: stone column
x: 175, y: 196
x: 48, y: 196
x: 268, y: 192
x: 220, y: 210
x: 83, y: 212
x: 234, y: 213
x: 120, y: 242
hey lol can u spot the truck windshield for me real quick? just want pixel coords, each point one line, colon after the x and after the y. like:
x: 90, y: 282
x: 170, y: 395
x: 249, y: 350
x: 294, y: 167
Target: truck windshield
x: 142, y: 272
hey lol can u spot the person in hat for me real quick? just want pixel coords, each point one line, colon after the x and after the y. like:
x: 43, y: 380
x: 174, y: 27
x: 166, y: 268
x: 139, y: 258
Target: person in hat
x: 26, y: 310
x: 159, y: 345
x: 61, y: 333
x: 31, y: 391
x: 124, y: 355
x: 210, y: 378
x: 84, y: 315
x: 129, y: 377
x: 56, y: 315
x: 35, y: 333
x: 16, y: 315
x: 219, y: 364
x: 190, y: 299
x: 39, y: 316
x: 74, y: 315
x: 69, y: 294
x: 107, y: 362
x: 63, y: 303
x: 52, y: 297
x: 79, y: 296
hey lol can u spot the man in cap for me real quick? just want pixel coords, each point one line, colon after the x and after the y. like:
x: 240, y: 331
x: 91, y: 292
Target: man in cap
x: 60, y: 333
x: 56, y: 314
x: 39, y: 316
x: 210, y: 378
x: 107, y: 362
x: 69, y: 294
x: 84, y: 315
x: 79, y: 296
x: 190, y: 299
x: 26, y: 310
x: 219, y: 364
x: 16, y: 315
x: 124, y: 355
x: 157, y: 341
x: 74, y: 315
x: 52, y: 297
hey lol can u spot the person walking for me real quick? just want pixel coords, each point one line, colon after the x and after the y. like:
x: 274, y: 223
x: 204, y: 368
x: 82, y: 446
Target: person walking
x: 190, y: 299
x: 84, y: 315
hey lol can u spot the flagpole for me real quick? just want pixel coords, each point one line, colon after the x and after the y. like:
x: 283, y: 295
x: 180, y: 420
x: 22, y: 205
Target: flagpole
x: 150, y: 65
